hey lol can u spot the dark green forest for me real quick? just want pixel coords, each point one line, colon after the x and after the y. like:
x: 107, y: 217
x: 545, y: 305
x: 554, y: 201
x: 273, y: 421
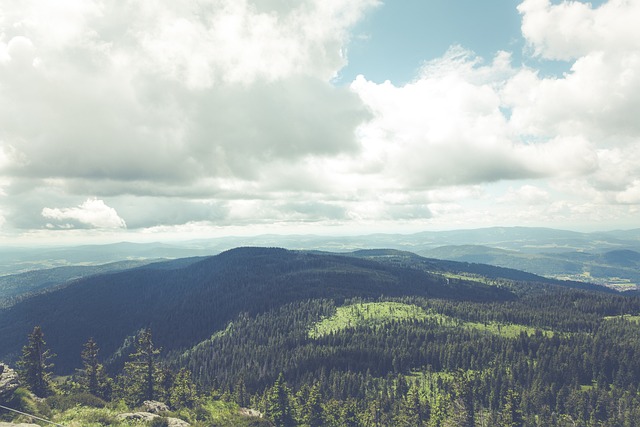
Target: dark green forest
x: 373, y: 338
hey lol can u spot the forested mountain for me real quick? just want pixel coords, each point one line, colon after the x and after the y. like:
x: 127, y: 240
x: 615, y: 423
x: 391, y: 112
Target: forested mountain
x: 185, y: 304
x: 613, y: 266
x: 373, y: 337
x: 14, y: 287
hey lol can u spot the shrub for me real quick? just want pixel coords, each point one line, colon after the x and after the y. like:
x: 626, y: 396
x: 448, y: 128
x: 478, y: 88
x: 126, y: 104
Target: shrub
x: 159, y: 422
x: 22, y: 400
x: 65, y: 402
x: 101, y: 417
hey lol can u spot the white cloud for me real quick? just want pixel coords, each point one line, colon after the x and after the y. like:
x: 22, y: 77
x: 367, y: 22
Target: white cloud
x: 93, y: 212
x: 573, y: 29
x: 222, y: 112
x: 448, y: 128
x: 166, y: 92
x: 526, y: 195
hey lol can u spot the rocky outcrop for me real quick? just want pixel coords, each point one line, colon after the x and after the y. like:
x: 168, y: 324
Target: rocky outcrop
x: 138, y: 416
x: 3, y: 424
x: 177, y: 422
x: 154, y: 406
x: 148, y: 417
x: 247, y: 412
x: 8, y: 382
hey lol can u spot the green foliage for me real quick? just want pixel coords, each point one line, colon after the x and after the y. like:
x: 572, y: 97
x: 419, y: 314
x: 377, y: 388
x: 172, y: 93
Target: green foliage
x: 63, y: 402
x: 628, y: 317
x: 183, y: 392
x: 423, y: 355
x: 184, y: 304
x: 313, y: 412
x: 159, y: 422
x: 23, y: 400
x: 93, y: 378
x: 34, y: 368
x: 279, y: 408
x: 90, y: 417
x: 139, y: 379
x: 366, y: 314
x: 377, y: 313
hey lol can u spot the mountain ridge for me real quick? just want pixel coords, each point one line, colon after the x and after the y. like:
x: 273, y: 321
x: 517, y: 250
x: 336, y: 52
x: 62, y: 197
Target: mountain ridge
x: 202, y: 295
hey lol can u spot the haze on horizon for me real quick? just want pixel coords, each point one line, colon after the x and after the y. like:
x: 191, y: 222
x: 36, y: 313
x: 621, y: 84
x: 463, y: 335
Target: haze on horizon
x: 150, y: 120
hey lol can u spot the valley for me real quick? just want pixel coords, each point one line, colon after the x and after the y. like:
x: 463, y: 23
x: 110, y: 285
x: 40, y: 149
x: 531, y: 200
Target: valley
x: 311, y: 338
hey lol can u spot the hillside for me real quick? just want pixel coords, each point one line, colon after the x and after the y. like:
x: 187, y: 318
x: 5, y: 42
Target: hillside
x: 610, y: 268
x: 371, y: 335
x: 13, y: 287
x: 186, y: 303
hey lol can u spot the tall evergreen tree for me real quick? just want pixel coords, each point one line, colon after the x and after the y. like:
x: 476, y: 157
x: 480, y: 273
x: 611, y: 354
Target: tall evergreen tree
x: 93, y: 377
x: 412, y: 413
x: 240, y: 395
x: 145, y: 356
x: 511, y: 415
x: 279, y: 404
x: 313, y: 412
x: 33, y: 367
x: 138, y: 381
x: 183, y: 393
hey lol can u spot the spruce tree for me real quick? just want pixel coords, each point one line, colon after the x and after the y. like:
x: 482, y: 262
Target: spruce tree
x: 240, y: 395
x: 183, y: 393
x: 138, y: 383
x: 279, y: 404
x: 313, y: 412
x: 33, y: 366
x: 92, y: 377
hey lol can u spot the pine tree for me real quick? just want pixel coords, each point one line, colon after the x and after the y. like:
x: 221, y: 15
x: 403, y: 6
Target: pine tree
x: 138, y: 382
x: 240, y: 395
x: 412, y: 413
x: 463, y: 410
x: 279, y: 404
x: 313, y: 412
x: 349, y: 414
x: 183, y: 393
x: 511, y: 415
x: 93, y: 377
x: 33, y: 368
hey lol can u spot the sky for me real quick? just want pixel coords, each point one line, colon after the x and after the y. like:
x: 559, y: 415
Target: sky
x: 156, y: 120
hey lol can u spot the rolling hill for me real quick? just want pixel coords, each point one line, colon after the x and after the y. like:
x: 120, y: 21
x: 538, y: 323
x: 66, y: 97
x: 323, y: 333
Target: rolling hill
x: 186, y: 300
x: 359, y: 329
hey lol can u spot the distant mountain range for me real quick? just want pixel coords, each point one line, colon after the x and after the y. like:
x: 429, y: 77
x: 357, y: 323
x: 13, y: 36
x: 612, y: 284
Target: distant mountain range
x: 608, y: 258
x: 186, y: 300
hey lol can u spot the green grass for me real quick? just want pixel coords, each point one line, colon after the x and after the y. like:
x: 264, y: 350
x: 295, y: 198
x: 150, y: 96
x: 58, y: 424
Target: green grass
x: 628, y: 317
x: 366, y: 314
x: 211, y: 412
x: 376, y: 313
x: 82, y: 416
x: 507, y: 330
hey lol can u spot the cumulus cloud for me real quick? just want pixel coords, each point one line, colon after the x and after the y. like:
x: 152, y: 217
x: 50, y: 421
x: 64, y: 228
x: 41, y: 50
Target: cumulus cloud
x: 526, y: 194
x: 573, y: 29
x: 93, y: 213
x: 631, y: 195
x: 448, y: 127
x: 165, y: 92
x: 223, y: 112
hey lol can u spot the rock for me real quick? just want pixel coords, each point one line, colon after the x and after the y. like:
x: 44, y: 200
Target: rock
x: 154, y: 406
x: 177, y: 422
x: 148, y: 416
x: 8, y: 382
x: 138, y: 416
x: 3, y: 424
x: 247, y: 412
